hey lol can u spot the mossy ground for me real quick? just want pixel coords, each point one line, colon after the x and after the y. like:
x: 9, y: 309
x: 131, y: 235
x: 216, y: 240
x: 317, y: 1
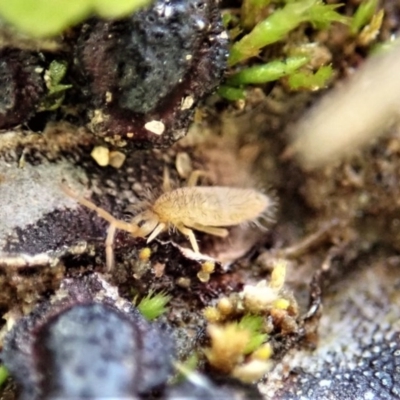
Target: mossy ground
x: 352, y: 203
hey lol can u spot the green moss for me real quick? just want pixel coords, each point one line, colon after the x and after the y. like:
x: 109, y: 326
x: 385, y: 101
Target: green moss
x: 56, y: 89
x: 153, y: 305
x: 254, y: 325
x: 231, y: 93
x: 307, y: 80
x: 266, y: 22
x: 186, y: 367
x: 388, y: 45
x: 267, y: 72
x: 280, y: 23
x: 251, y: 11
x: 3, y: 375
x: 363, y: 15
x: 43, y: 18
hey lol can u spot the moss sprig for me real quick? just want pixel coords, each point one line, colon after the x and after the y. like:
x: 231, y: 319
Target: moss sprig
x: 43, y: 18
x: 275, y: 27
x: 153, y: 305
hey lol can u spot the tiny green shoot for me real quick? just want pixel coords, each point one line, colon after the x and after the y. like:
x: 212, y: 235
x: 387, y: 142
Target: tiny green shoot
x: 253, y: 324
x: 3, y: 374
x: 153, y: 305
x: 271, y: 71
x: 231, y: 93
x: 252, y: 12
x: 43, y: 18
x: 371, y: 31
x: 388, y: 45
x: 186, y: 367
x: 363, y: 15
x: 307, y: 80
x: 275, y: 27
x: 56, y: 90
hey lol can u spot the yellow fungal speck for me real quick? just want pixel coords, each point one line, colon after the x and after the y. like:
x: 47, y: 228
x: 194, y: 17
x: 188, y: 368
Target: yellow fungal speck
x: 117, y: 159
x: 203, y: 276
x: 281, y: 304
x: 278, y: 274
x: 228, y: 345
x: 225, y: 306
x: 144, y: 254
x: 101, y: 155
x: 208, y: 267
x: 258, y: 298
x: 264, y: 352
x: 252, y: 371
x: 211, y: 314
